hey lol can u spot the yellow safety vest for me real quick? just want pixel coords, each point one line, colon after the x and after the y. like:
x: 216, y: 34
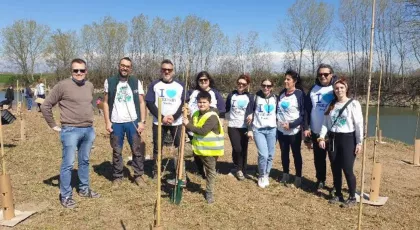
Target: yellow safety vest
x: 211, y: 144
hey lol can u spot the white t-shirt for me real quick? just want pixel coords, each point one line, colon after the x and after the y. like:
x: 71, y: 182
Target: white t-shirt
x: 265, y: 112
x: 124, y: 109
x: 320, y: 97
x: 351, y: 120
x: 172, y: 97
x: 290, y: 110
x: 238, y: 108
x: 40, y: 89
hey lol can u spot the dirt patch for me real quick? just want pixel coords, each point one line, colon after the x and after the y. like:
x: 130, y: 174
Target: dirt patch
x: 34, y: 169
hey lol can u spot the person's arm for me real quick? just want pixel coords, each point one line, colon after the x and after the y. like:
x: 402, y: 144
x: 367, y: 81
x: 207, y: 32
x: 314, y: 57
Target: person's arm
x: 228, y: 103
x: 46, y: 108
x: 308, y: 110
x: 221, y: 106
x: 207, y: 127
x: 300, y: 98
x: 151, y: 100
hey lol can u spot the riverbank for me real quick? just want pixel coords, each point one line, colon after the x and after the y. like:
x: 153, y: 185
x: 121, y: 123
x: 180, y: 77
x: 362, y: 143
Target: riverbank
x: 34, y: 169
x: 392, y: 100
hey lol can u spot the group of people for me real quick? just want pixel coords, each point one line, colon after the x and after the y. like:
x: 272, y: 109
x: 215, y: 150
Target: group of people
x: 26, y: 93
x: 329, y: 119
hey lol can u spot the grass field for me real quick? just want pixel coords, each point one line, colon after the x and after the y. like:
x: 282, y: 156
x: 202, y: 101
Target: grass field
x: 34, y: 169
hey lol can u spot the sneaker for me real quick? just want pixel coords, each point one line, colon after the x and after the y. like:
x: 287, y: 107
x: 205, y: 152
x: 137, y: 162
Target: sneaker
x: 116, y: 182
x: 140, y: 181
x: 261, y: 182
x: 266, y: 180
x: 240, y: 175
x: 285, y: 178
x: 298, y: 182
x: 89, y: 193
x: 67, y: 202
x: 336, y: 200
x: 350, y: 202
x: 174, y: 182
x: 209, y: 198
x: 320, y: 185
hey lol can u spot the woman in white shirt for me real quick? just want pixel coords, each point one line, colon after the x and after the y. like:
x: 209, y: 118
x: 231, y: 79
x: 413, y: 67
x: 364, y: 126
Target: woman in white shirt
x: 264, y: 130
x: 344, y: 121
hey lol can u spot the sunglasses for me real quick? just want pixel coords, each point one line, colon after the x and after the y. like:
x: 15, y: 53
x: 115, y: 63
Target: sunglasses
x: 203, y: 80
x: 169, y: 70
x: 125, y: 66
x: 242, y: 84
x: 323, y: 74
x: 266, y: 86
x: 79, y: 70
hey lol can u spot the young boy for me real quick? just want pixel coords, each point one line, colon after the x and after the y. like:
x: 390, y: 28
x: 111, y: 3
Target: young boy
x: 208, y: 141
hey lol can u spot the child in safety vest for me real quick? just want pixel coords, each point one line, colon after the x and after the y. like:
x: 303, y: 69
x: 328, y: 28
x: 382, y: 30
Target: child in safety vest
x: 208, y: 139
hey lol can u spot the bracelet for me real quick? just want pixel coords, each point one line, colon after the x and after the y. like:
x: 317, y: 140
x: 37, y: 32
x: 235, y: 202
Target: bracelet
x: 320, y: 139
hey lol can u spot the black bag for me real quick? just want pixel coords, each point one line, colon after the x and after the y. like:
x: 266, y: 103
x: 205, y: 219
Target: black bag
x: 330, y: 136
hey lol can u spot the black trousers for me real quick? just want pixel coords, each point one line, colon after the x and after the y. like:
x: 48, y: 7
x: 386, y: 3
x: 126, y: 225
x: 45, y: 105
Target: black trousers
x: 320, y: 156
x: 239, y: 141
x: 294, y: 142
x: 342, y: 159
x: 39, y: 105
x: 176, y: 136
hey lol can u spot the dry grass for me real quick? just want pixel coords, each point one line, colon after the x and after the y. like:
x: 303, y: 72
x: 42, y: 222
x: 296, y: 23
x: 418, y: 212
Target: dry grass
x: 34, y: 168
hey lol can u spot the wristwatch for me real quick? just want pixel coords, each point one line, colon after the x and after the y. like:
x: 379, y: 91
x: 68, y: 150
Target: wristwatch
x: 144, y: 122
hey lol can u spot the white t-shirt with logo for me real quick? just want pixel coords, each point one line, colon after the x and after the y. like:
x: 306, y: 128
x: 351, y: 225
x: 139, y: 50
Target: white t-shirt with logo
x: 265, y: 112
x: 124, y: 109
x: 290, y: 110
x: 321, y: 97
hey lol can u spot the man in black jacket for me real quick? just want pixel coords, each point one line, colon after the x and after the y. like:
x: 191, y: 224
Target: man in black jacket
x: 9, y: 97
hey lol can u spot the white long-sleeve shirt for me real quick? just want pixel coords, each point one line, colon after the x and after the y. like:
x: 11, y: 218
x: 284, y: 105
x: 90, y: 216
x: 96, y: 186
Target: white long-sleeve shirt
x: 351, y: 120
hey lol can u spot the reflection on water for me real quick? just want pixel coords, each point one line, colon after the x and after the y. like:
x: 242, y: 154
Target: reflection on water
x: 396, y: 122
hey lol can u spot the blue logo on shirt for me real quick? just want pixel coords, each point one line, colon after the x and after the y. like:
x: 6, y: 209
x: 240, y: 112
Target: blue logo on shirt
x: 285, y: 105
x: 328, y: 97
x: 241, y: 104
x: 268, y: 108
x: 171, y: 93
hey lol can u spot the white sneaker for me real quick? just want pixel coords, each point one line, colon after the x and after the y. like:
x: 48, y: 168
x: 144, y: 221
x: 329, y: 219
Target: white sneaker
x: 266, y: 181
x: 261, y: 182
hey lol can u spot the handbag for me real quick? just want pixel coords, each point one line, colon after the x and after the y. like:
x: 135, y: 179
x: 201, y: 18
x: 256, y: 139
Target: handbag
x: 330, y: 137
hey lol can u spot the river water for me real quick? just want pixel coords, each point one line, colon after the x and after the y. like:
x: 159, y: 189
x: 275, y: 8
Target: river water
x: 398, y: 123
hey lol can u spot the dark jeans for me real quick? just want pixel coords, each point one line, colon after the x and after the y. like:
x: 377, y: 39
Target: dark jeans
x: 6, y: 102
x: 239, y: 141
x: 117, y: 141
x: 342, y: 159
x: 320, y: 156
x: 210, y: 167
x: 293, y: 141
x: 176, y: 136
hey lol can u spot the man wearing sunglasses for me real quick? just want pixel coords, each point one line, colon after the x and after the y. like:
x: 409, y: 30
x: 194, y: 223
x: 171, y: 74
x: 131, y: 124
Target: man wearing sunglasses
x: 74, y: 97
x: 316, y: 102
x: 125, y: 114
x: 172, y: 93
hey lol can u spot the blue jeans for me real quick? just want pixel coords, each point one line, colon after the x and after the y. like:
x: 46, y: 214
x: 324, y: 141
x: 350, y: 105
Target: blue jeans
x: 29, y: 103
x: 74, y: 139
x: 265, y: 139
x: 134, y: 140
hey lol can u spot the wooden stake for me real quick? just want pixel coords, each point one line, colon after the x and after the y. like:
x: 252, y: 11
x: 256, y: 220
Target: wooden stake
x: 416, y: 157
x: 157, y: 221
x: 372, y: 31
x: 375, y: 182
x: 3, y: 161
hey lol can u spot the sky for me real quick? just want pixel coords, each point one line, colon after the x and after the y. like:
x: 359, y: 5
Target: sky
x: 233, y: 16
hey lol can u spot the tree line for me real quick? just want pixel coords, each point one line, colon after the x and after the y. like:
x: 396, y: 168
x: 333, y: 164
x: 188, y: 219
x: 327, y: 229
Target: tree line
x: 195, y: 44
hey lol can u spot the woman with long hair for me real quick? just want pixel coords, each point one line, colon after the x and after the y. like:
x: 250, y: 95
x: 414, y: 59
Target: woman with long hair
x: 264, y: 130
x: 290, y: 114
x: 239, y: 104
x: 343, y: 122
x: 205, y: 82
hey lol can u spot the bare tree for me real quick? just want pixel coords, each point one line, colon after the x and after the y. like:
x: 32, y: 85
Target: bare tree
x: 61, y: 49
x: 24, y: 43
